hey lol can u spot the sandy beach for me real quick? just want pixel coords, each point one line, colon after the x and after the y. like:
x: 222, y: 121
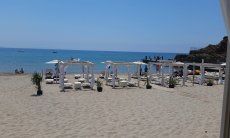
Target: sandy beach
x: 183, y: 112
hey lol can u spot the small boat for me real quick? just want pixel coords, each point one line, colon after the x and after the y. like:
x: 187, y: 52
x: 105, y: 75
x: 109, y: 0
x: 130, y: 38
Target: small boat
x: 54, y: 52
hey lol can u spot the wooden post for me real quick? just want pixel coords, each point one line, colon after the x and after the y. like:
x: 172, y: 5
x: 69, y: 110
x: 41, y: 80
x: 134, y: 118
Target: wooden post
x: 185, y: 71
x: 129, y: 74
x: 92, y: 78
x: 87, y: 73
x: 193, y: 74
x: 162, y: 75
x: 149, y: 73
x: 138, y: 74
x: 113, y: 79
x: 62, y: 75
x: 202, y: 72
x: 220, y: 81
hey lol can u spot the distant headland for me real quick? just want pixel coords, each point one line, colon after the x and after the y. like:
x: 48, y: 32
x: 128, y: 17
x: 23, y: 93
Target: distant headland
x: 210, y: 54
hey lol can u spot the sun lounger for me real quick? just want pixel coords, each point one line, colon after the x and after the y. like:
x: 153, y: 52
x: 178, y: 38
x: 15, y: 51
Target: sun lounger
x: 49, y: 81
x: 86, y: 85
x: 82, y: 80
x: 68, y: 85
x: 131, y: 84
x: 143, y: 78
x: 77, y: 85
x: 77, y: 76
x: 65, y: 80
x: 123, y: 83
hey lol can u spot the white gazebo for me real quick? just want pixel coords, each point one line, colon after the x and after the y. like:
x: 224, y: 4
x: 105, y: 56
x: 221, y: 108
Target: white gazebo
x: 55, y: 62
x: 85, y: 65
x: 172, y: 64
x: 114, y: 66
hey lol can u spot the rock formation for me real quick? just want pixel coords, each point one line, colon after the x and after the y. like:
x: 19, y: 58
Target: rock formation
x: 210, y: 54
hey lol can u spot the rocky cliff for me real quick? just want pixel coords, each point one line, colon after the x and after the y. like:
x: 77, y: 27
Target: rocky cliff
x: 210, y: 54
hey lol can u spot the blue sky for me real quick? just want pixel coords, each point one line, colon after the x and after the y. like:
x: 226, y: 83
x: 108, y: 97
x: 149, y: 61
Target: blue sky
x: 120, y: 25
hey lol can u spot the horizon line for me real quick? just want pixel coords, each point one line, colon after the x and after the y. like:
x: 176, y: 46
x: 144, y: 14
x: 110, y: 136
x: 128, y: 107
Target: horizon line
x: 93, y: 50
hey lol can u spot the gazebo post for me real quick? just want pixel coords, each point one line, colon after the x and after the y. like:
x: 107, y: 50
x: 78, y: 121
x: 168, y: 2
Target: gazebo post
x: 129, y: 75
x: 62, y: 75
x: 113, y: 78
x: 202, y: 68
x: 162, y: 75
x: 106, y: 74
x: 149, y: 71
x: 220, y: 81
x: 92, y: 78
x: 138, y: 74
x: 83, y: 71
x: 116, y: 73
x: 87, y: 73
x: 185, y: 71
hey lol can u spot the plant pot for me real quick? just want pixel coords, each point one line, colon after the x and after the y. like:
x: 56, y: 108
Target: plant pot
x: 39, y: 92
x: 99, y: 89
x: 209, y: 84
x: 171, y: 86
x: 148, y: 87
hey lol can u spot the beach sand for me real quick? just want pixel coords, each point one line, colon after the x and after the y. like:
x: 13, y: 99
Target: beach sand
x: 183, y: 112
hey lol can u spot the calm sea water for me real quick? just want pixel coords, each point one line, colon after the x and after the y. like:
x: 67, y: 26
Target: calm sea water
x: 32, y: 60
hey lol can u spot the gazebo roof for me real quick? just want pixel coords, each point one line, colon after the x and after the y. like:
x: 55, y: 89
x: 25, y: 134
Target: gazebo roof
x: 124, y: 63
x: 55, y: 61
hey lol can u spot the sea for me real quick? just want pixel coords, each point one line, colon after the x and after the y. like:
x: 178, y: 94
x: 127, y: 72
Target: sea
x: 34, y: 60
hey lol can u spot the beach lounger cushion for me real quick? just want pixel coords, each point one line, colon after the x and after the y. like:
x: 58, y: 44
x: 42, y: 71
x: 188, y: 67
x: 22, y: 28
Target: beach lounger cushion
x: 123, y: 83
x: 86, y: 85
x: 49, y: 81
x: 68, y: 85
x: 77, y: 76
x: 77, y: 85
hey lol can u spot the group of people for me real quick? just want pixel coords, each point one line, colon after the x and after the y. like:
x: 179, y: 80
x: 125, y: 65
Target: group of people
x: 155, y: 58
x: 17, y: 71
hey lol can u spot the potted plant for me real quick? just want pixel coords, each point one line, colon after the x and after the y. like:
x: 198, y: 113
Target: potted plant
x: 37, y: 79
x: 210, y: 82
x: 148, y: 86
x: 99, y: 85
x: 172, y: 82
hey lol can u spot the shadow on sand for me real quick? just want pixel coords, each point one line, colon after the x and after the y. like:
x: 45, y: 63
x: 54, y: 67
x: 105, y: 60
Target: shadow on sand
x: 35, y: 95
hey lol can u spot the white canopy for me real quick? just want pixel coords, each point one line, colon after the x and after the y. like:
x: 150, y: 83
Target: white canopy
x: 139, y: 63
x: 223, y: 64
x: 55, y: 61
x: 177, y: 63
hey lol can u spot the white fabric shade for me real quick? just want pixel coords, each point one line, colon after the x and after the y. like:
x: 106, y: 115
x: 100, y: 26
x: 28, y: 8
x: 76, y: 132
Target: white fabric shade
x: 223, y: 64
x: 55, y: 61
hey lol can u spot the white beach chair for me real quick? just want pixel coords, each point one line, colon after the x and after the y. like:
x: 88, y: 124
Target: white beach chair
x: 49, y: 81
x: 77, y: 85
x: 77, y: 76
x: 123, y: 83
x: 68, y: 85
x: 131, y: 84
x: 86, y: 85
x: 81, y: 80
x: 65, y: 80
